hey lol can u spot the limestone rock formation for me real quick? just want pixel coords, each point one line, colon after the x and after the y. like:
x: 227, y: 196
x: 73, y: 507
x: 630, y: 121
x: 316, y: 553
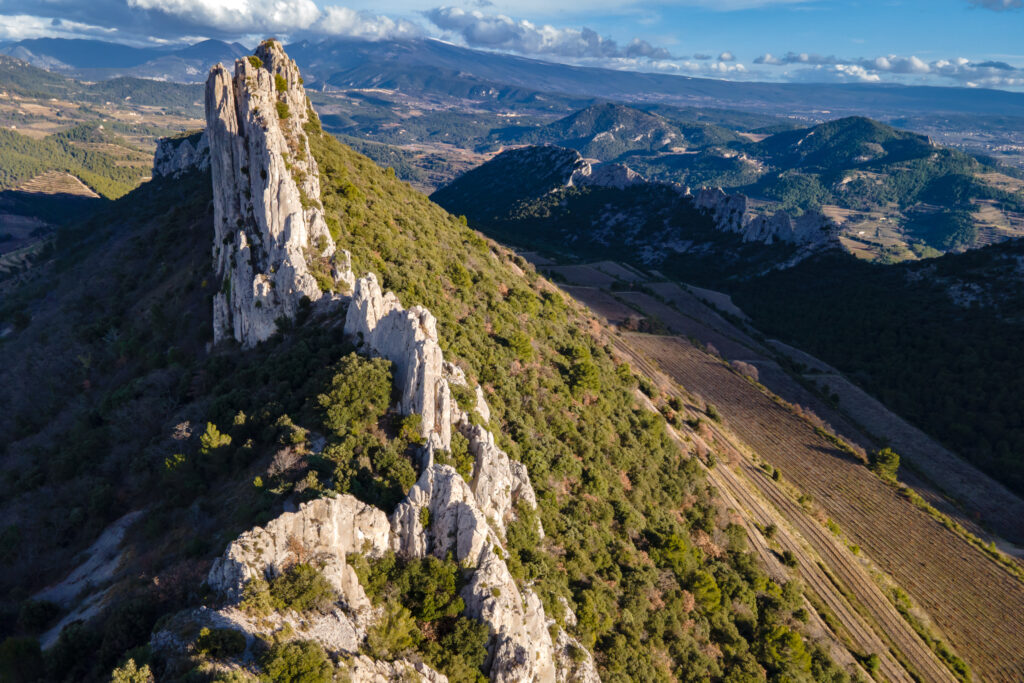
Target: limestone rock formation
x: 269, y: 227
x: 732, y: 214
x: 522, y: 649
x: 324, y: 530
x: 270, y: 236
x: 408, y: 338
x: 362, y: 669
x: 181, y: 153
x: 618, y: 176
x: 335, y: 631
x: 457, y: 524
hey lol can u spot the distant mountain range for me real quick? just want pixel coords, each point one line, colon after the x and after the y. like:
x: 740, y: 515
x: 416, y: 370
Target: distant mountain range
x: 895, y: 194
x: 97, y: 59
x: 441, y: 69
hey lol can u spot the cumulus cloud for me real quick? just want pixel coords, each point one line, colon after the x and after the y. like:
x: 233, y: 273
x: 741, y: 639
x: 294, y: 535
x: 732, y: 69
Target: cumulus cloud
x: 342, y: 21
x: 245, y: 16
x: 998, y: 5
x: 275, y: 16
x: 959, y: 70
x: 726, y: 57
x: 500, y: 32
x: 22, y: 26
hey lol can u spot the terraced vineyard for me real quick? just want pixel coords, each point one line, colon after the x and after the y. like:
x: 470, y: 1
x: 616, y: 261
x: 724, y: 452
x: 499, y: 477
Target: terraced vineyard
x: 976, y: 603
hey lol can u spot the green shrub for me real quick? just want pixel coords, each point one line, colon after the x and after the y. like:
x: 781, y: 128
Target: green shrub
x: 282, y: 110
x: 360, y: 392
x: 884, y: 462
x: 410, y: 429
x: 220, y: 643
x: 130, y: 672
x: 460, y: 652
x: 302, y: 588
x: 35, y: 616
x: 458, y: 457
x: 298, y: 661
x: 20, y: 660
x: 280, y: 83
x: 255, y: 61
x: 212, y: 439
x: 256, y: 598
x: 394, y: 635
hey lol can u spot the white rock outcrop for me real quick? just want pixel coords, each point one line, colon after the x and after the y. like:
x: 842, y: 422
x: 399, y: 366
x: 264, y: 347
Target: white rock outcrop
x: 455, y: 525
x: 177, y: 155
x: 268, y: 221
x: 731, y: 213
x: 324, y: 530
x: 378, y: 324
x: 618, y: 176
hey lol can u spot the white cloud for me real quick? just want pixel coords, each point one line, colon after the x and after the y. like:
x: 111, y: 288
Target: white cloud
x: 857, y: 72
x: 501, y: 32
x: 280, y: 17
x: 22, y: 26
x: 959, y: 70
x: 244, y: 16
x: 726, y: 57
x: 342, y: 21
x: 998, y: 5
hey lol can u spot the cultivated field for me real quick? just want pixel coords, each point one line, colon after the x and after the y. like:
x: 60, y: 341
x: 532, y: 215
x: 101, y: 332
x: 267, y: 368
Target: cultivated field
x: 862, y: 628
x: 57, y: 182
x: 975, y: 602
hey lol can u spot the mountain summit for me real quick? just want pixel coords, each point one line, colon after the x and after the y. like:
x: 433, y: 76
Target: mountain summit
x: 272, y: 245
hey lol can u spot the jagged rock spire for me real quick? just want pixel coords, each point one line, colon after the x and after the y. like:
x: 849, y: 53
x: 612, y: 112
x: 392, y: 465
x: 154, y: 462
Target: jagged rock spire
x: 269, y: 227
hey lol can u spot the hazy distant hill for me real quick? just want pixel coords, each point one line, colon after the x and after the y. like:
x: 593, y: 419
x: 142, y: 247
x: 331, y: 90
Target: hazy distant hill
x: 96, y: 59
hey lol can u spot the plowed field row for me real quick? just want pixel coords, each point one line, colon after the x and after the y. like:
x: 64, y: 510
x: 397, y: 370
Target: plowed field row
x: 977, y: 604
x: 769, y: 507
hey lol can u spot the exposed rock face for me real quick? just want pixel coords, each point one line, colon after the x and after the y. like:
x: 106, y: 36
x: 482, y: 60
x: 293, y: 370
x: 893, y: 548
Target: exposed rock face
x: 324, y: 530
x: 456, y: 523
x: 268, y: 220
x: 498, y: 483
x: 522, y: 649
x: 362, y: 669
x: 335, y: 631
x: 408, y: 338
x: 180, y: 154
x: 269, y: 225
x: 731, y: 214
x: 618, y: 176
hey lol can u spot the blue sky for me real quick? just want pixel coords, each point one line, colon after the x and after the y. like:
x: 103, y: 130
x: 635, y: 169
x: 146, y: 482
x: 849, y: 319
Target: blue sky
x: 938, y: 42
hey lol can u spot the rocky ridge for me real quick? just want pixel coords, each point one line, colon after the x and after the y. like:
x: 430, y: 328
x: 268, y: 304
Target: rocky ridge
x: 467, y: 519
x: 271, y: 238
x: 271, y: 231
x: 731, y: 213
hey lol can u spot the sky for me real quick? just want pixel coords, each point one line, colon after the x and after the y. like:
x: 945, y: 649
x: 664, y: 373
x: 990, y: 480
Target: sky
x: 972, y: 43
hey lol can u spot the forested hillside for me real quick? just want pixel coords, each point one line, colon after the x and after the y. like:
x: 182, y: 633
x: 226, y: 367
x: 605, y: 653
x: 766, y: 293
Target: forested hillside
x: 636, y: 542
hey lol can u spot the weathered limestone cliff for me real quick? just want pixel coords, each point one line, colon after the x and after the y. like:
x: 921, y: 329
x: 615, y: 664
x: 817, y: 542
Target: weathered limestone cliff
x: 181, y: 153
x: 618, y: 176
x: 408, y: 338
x: 269, y: 229
x: 466, y: 518
x: 268, y: 221
x: 732, y: 214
